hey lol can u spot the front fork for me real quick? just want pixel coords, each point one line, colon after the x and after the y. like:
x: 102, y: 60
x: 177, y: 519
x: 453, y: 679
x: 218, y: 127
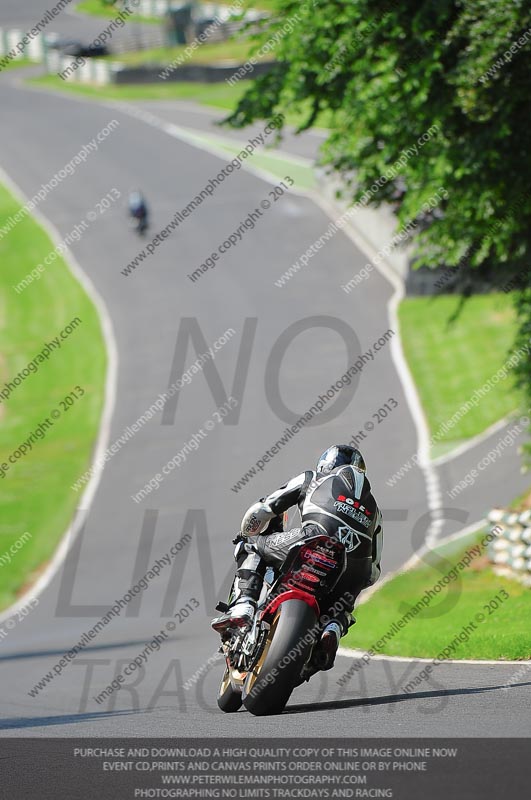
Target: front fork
x: 239, y: 649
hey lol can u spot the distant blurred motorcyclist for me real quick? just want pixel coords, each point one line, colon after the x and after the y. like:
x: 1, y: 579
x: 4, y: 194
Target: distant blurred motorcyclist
x: 138, y: 211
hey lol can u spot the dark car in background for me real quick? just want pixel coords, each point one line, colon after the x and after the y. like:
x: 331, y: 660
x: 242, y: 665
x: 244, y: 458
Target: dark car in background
x: 73, y: 47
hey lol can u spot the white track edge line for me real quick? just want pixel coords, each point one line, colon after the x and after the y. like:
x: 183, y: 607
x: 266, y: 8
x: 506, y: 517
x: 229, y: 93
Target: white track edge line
x: 346, y: 653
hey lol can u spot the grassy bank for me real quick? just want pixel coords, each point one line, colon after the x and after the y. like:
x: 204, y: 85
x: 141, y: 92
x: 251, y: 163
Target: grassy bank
x: 36, y: 495
x: 17, y: 63
x: 501, y: 634
x: 449, y: 361
x: 217, y: 95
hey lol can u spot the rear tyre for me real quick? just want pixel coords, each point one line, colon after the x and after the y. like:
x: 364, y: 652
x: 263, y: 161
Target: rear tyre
x: 229, y: 700
x: 269, y: 685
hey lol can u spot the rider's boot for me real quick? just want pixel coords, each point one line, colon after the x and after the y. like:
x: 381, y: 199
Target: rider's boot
x: 338, y: 623
x: 326, y: 649
x: 329, y: 644
x: 324, y: 653
x: 246, y: 592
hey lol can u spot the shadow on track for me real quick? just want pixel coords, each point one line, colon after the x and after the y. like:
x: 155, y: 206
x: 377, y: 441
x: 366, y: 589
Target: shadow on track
x: 333, y: 705
x: 88, y: 649
x: 62, y: 719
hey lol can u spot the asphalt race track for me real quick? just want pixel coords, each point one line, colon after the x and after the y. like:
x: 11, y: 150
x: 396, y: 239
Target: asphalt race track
x: 120, y: 539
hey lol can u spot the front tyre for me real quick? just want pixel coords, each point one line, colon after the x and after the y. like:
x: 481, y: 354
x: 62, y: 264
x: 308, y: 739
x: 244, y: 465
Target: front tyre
x: 229, y: 699
x: 269, y: 684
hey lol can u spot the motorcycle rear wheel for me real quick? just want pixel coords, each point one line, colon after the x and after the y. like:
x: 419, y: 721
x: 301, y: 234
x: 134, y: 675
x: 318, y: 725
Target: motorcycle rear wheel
x: 268, y: 686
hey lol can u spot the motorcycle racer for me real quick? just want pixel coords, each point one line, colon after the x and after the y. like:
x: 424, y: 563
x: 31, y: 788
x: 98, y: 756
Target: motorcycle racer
x: 335, y: 499
x: 137, y: 208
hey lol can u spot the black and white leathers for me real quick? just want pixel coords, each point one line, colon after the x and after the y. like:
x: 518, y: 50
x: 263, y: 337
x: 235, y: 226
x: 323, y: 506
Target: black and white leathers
x: 340, y: 504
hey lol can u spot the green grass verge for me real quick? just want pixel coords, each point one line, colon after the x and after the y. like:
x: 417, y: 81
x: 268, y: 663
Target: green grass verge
x: 504, y: 634
x: 17, y: 63
x: 218, y: 95
x: 36, y: 495
x: 215, y: 53
x: 449, y: 361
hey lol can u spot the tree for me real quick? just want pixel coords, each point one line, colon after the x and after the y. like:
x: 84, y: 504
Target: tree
x: 450, y: 78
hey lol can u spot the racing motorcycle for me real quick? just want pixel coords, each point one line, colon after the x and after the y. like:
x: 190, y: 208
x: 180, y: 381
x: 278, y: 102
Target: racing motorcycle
x: 279, y: 650
x: 138, y: 212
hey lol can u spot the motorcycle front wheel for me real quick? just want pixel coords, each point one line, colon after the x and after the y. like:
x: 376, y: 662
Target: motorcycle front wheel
x: 229, y: 698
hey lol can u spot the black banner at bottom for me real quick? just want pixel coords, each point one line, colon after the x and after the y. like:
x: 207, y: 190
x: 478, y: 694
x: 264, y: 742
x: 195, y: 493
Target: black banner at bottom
x: 406, y: 769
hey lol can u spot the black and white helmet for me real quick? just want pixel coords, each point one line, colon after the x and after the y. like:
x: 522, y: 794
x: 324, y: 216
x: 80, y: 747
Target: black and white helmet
x: 340, y: 455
